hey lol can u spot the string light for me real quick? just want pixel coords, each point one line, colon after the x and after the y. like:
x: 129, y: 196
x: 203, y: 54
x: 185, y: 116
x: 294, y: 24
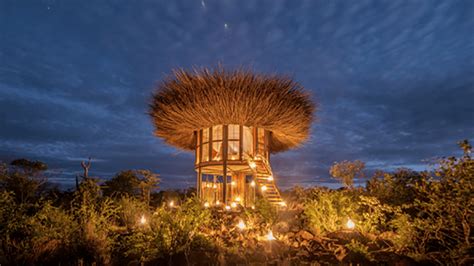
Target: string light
x: 227, y: 207
x: 282, y: 203
x: 252, y: 184
x: 171, y: 204
x: 232, y: 183
x: 238, y: 199
x: 218, y: 202
x: 270, y: 178
x: 206, y: 205
x: 233, y: 205
x: 264, y: 188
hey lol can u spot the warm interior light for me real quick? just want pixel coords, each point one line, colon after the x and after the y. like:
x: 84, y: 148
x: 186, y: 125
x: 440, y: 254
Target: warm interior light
x: 143, y: 219
x: 214, y: 186
x: 270, y: 178
x: 218, y: 202
x: 227, y: 207
x: 241, y: 225
x: 282, y: 203
x: 350, y: 224
x: 252, y: 183
x: 233, y: 205
x: 253, y: 207
x: 171, y: 204
x: 253, y: 165
x: 206, y: 205
x: 270, y: 236
x: 232, y: 183
x: 264, y: 188
x: 238, y: 199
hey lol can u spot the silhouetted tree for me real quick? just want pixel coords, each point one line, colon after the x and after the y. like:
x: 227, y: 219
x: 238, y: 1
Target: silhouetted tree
x: 346, y: 171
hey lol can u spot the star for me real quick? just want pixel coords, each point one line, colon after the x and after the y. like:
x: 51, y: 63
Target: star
x: 203, y: 4
x: 226, y: 26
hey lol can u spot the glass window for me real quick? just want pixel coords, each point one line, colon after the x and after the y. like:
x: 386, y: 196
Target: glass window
x: 248, y: 141
x: 261, y: 141
x: 234, y: 132
x: 217, y: 132
x: 233, y: 150
x: 217, y: 150
x: 205, y: 152
x: 205, y: 135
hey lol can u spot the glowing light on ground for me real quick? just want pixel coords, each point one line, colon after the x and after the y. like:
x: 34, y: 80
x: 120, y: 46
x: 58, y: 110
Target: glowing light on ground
x: 350, y: 224
x: 143, y: 219
x: 270, y: 236
x: 241, y: 225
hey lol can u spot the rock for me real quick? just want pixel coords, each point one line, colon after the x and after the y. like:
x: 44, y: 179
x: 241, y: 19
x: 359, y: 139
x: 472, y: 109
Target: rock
x: 282, y: 227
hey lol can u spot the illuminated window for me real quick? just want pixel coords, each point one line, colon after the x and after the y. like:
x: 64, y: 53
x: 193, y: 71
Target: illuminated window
x: 248, y: 141
x: 205, y: 152
x: 217, y: 143
x: 234, y: 132
x: 234, y: 142
x: 233, y: 150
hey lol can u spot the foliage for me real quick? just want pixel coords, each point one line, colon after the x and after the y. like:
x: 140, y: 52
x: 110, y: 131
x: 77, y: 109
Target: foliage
x: 346, y: 171
x: 327, y: 211
x: 132, y: 183
x: 168, y: 231
x: 427, y: 216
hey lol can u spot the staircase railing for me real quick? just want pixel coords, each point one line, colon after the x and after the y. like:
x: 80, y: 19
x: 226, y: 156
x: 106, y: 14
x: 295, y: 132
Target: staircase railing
x: 265, y: 179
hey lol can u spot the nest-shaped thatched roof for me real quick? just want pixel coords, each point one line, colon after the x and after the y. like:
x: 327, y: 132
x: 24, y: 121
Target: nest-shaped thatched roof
x: 191, y: 100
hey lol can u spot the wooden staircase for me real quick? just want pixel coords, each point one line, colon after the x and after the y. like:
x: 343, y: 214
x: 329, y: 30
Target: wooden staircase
x: 264, y: 180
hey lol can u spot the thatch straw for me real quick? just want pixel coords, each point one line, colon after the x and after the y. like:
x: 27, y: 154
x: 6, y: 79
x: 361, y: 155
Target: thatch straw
x: 191, y: 100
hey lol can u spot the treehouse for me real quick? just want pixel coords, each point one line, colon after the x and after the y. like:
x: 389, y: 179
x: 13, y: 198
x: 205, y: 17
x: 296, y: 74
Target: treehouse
x: 233, y: 121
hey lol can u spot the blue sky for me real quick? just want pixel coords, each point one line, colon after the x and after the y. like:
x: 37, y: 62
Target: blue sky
x: 394, y: 80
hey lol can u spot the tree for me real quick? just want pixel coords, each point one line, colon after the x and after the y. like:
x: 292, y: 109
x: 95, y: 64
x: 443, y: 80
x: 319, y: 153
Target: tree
x: 25, y: 179
x: 148, y: 182
x: 346, y: 171
x: 132, y: 183
x: 124, y: 183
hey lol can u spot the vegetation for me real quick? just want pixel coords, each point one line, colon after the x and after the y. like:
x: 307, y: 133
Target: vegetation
x: 404, y: 217
x: 346, y: 171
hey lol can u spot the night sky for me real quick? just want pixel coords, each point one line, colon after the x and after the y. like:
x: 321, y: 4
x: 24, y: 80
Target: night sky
x: 394, y: 80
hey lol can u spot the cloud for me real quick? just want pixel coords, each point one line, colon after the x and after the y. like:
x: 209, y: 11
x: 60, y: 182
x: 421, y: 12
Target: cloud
x: 394, y: 80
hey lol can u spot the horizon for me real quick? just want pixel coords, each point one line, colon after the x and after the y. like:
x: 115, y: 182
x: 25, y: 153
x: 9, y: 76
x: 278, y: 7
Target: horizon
x: 76, y: 79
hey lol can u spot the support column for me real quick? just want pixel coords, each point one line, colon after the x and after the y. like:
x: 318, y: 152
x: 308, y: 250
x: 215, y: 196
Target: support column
x: 224, y: 160
x: 199, y: 183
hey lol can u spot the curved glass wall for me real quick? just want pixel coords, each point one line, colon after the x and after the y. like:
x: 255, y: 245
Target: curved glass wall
x: 239, y: 141
x: 222, y: 150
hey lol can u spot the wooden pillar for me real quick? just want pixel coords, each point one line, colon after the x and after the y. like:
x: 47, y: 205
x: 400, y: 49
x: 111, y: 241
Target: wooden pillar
x: 224, y: 160
x: 241, y: 140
